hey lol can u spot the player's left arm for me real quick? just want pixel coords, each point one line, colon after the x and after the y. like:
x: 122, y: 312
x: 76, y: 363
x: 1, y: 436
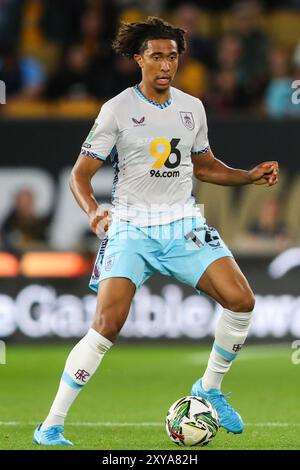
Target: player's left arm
x: 211, y: 170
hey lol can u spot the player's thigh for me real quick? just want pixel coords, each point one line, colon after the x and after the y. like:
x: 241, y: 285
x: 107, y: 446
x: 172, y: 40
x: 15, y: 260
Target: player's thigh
x: 224, y: 281
x: 115, y: 295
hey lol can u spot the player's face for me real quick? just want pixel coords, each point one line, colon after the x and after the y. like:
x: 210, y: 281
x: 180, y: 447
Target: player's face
x: 159, y: 63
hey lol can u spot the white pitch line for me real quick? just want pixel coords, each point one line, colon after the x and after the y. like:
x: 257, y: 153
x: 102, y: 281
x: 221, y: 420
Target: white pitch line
x: 250, y: 354
x: 108, y: 424
x: 202, y: 358
x: 272, y: 424
x: 79, y: 423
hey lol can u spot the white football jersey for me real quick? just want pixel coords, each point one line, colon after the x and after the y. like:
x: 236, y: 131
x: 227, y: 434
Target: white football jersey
x: 150, y: 145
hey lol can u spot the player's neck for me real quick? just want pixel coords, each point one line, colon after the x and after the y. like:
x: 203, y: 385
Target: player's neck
x: 153, y: 95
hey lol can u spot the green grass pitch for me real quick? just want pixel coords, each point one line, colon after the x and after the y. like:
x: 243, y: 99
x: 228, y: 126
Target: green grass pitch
x: 124, y: 405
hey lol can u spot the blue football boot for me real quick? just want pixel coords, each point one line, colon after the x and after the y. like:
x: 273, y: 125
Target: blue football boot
x: 51, y: 436
x: 229, y: 419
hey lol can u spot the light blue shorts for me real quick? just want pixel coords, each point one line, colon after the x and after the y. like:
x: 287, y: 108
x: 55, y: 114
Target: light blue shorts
x: 183, y: 250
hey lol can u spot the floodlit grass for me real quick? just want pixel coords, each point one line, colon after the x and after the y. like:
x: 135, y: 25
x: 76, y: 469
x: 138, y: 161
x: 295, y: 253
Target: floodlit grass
x: 124, y: 405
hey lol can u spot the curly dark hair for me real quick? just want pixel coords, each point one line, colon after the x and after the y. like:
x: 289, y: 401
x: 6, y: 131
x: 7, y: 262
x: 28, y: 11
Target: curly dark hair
x: 132, y: 37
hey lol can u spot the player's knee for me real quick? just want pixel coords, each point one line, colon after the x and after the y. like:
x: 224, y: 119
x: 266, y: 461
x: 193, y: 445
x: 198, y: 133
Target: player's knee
x: 108, y: 329
x: 107, y: 323
x: 241, y: 303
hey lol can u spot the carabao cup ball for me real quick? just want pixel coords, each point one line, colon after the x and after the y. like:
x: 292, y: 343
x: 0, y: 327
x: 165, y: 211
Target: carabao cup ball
x: 192, y: 421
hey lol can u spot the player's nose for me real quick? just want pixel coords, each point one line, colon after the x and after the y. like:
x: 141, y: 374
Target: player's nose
x: 165, y: 66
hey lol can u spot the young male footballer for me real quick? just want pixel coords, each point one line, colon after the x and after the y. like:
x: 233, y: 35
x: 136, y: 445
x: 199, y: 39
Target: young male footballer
x: 156, y: 137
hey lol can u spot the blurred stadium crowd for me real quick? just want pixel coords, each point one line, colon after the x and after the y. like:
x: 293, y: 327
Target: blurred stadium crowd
x: 242, y: 55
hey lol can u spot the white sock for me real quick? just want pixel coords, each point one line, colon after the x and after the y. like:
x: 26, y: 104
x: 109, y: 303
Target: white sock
x: 81, y: 364
x: 231, y: 333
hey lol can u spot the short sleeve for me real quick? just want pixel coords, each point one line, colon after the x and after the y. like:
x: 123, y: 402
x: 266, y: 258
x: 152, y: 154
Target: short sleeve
x: 201, y: 144
x: 103, y: 135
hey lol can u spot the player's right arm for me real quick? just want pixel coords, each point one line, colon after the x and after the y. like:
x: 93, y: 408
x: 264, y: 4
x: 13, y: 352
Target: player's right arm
x: 98, y: 145
x: 81, y: 187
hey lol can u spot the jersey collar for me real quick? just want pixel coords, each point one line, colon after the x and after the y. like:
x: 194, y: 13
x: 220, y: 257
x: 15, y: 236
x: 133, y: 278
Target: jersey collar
x: 155, y: 103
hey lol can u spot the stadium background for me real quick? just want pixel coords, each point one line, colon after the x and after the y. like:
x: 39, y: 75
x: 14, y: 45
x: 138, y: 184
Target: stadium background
x: 243, y: 61
x: 57, y: 65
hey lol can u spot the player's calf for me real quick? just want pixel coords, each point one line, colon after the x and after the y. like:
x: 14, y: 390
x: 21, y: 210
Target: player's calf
x: 81, y: 364
x: 114, y: 300
x: 231, y: 333
x: 84, y: 359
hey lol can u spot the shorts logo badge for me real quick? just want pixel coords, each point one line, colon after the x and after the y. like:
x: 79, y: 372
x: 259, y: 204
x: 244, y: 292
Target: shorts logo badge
x: 109, y: 262
x: 187, y: 120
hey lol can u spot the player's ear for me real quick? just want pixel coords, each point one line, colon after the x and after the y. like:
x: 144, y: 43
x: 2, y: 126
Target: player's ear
x: 139, y: 60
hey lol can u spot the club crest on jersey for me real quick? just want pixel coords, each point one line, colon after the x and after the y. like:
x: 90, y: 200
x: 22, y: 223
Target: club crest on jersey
x: 140, y: 122
x: 187, y: 120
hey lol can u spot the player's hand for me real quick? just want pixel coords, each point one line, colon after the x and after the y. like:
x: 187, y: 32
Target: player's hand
x: 265, y: 173
x: 100, y: 220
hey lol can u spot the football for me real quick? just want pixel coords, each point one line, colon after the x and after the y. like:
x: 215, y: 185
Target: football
x: 192, y: 421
